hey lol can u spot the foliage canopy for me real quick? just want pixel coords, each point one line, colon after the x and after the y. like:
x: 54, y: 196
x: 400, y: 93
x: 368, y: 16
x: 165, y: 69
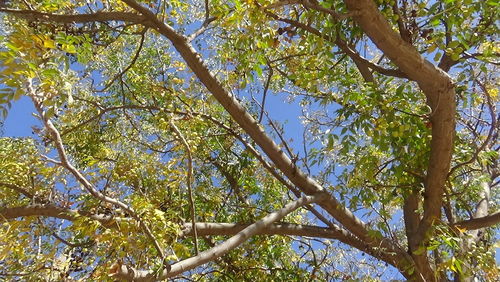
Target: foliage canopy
x: 158, y: 153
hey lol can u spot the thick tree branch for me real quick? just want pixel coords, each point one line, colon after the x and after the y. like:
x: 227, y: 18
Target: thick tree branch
x: 203, y: 228
x: 128, y: 273
x: 439, y: 90
x: 77, y: 18
x: 256, y: 132
x: 50, y: 210
x: 479, y: 222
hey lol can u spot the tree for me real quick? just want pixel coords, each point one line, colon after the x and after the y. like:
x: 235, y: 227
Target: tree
x: 155, y: 156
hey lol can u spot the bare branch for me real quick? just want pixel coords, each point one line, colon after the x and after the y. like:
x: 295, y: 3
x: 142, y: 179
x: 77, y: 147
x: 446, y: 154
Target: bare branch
x: 129, y: 273
x: 480, y: 222
x: 76, y: 18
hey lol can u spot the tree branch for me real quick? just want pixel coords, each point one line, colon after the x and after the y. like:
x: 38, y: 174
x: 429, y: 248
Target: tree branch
x: 439, y: 90
x: 131, y: 274
x: 203, y: 228
x: 130, y: 65
x: 310, y: 5
x: 56, y: 138
x: 362, y: 63
x: 208, y: 20
x: 479, y: 222
x: 16, y: 188
x: 76, y: 18
x: 50, y: 210
x: 255, y: 131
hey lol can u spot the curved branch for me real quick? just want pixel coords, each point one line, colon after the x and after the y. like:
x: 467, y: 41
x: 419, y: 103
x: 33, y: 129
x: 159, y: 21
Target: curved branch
x: 16, y: 188
x: 310, y: 5
x: 64, y: 162
x: 440, y: 93
x: 362, y: 63
x: 189, y: 182
x: 130, y: 65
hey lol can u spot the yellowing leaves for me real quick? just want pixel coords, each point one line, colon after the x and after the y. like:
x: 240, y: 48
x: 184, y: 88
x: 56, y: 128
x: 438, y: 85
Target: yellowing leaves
x: 493, y: 92
x: 180, y: 250
x: 49, y: 44
x: 43, y: 41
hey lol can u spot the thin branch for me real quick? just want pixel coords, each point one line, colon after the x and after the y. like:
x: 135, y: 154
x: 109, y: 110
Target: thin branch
x: 358, y: 59
x: 310, y: 5
x: 64, y: 241
x: 136, y: 56
x: 208, y: 20
x: 16, y: 188
x: 189, y: 182
x: 266, y: 88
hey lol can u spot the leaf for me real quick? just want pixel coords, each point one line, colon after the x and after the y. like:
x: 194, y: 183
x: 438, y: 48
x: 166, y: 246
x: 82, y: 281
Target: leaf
x: 49, y: 43
x: 437, y: 57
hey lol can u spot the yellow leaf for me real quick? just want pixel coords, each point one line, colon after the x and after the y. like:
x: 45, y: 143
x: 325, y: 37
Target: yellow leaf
x: 493, y: 93
x: 4, y: 252
x: 49, y: 43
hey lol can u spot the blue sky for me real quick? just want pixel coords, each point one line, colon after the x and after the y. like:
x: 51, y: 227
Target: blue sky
x: 20, y: 119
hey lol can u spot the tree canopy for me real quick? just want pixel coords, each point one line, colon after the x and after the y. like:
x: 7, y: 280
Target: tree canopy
x: 158, y: 151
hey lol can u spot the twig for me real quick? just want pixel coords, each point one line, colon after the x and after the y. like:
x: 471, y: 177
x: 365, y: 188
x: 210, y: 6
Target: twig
x: 266, y: 88
x: 137, y: 53
x: 204, y: 25
x: 189, y: 182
